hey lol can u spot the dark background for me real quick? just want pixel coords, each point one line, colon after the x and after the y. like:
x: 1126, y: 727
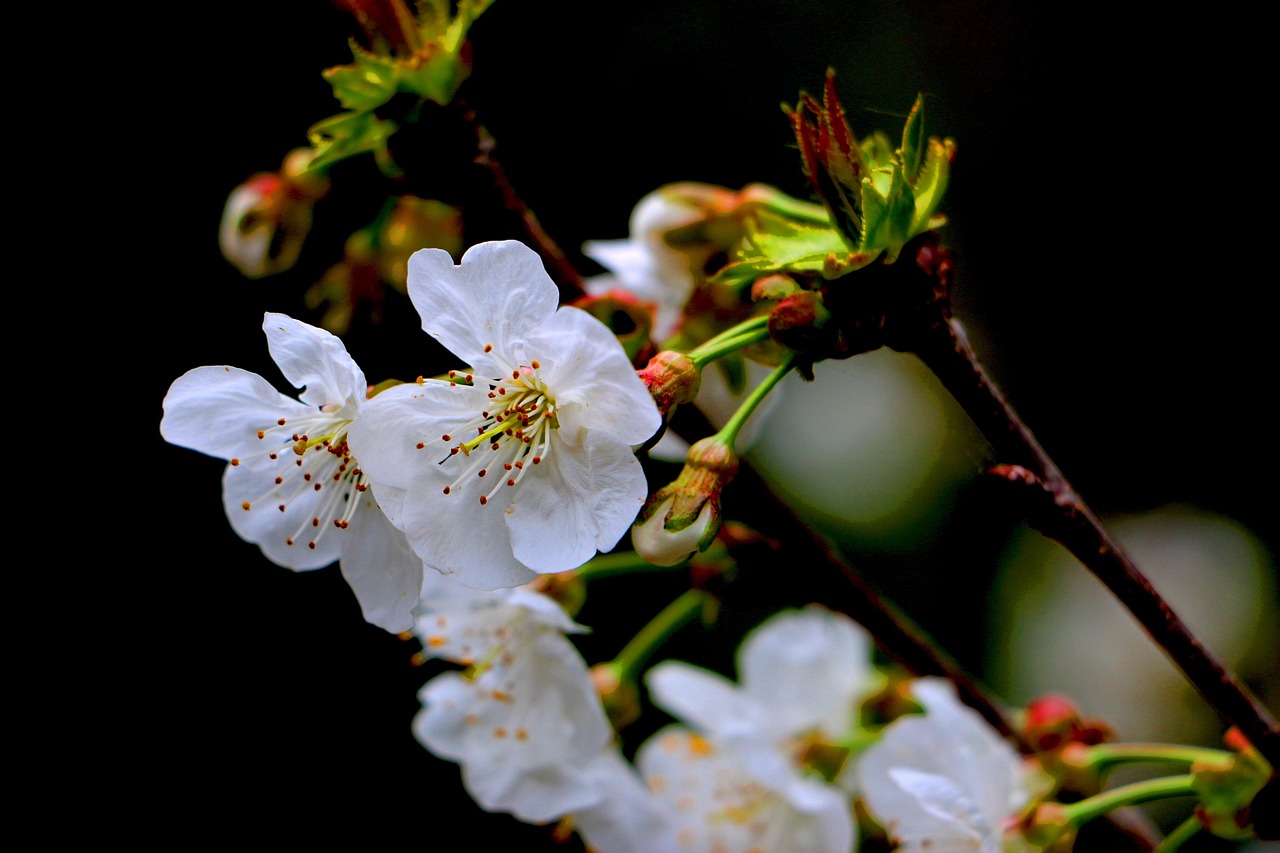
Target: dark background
x: 1112, y: 273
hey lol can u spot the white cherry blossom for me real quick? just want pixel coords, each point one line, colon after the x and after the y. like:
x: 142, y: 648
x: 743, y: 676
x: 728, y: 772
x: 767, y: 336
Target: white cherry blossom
x: 522, y: 463
x: 945, y: 781
x: 292, y: 485
x: 715, y: 804
x: 803, y: 675
x: 644, y: 265
x: 524, y: 721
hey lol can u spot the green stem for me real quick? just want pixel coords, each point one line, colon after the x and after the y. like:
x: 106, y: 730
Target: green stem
x: 730, y: 431
x: 1181, y: 835
x: 1107, y: 755
x: 632, y: 658
x: 1128, y: 795
x: 621, y: 563
x: 744, y: 334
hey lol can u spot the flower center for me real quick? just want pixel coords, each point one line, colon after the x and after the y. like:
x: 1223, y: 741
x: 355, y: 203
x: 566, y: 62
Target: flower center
x: 307, y: 454
x: 510, y: 435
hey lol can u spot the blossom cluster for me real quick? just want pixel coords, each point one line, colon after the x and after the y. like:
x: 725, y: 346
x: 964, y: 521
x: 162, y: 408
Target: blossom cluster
x: 444, y: 499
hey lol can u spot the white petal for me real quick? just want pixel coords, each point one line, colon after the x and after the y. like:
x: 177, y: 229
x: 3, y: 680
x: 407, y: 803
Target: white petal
x: 705, y: 700
x: 716, y: 806
x: 941, y: 798
x: 218, y: 410
x: 458, y: 537
x: 381, y: 568
x: 663, y: 547
x: 812, y: 667
x: 385, y: 439
x: 580, y: 500
x: 265, y: 525
x: 523, y: 728
x: 629, y: 818
x: 497, y: 295
x: 954, y: 743
x: 586, y: 365
x: 313, y: 358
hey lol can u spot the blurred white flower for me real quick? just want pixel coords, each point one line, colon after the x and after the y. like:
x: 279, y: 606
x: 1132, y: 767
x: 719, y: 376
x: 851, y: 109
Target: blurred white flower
x: 525, y: 464
x: 803, y: 674
x: 715, y: 804
x: 945, y: 780
x: 524, y: 721
x: 293, y: 486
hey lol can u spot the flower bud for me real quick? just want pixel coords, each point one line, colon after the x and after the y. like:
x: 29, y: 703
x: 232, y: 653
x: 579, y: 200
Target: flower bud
x: 671, y: 378
x: 620, y: 698
x: 683, y: 517
x: 267, y: 218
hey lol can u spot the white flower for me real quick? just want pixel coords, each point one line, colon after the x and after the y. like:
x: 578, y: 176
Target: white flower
x: 293, y: 487
x: 803, y: 675
x: 525, y: 722
x: 530, y: 468
x: 944, y: 781
x: 715, y: 804
x: 629, y: 818
x: 644, y: 264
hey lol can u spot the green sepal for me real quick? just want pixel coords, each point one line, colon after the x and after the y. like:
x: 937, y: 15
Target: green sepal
x: 913, y: 141
x: 365, y: 85
x: 879, y: 153
x: 347, y: 134
x: 1226, y: 792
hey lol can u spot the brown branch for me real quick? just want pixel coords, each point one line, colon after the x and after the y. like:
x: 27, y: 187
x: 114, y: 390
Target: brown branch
x: 561, y: 271
x: 1055, y: 509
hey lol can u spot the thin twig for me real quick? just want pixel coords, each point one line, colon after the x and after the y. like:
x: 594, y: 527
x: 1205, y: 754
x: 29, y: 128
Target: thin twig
x: 562, y: 272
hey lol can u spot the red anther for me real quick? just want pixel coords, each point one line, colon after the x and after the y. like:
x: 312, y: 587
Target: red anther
x: 446, y: 490
x: 279, y: 480
x: 537, y: 460
x: 534, y: 364
x: 274, y: 456
x: 520, y: 465
x: 245, y: 505
x: 235, y: 462
x: 281, y: 507
x: 488, y: 347
x: 506, y: 465
x: 307, y: 476
x: 317, y: 487
x: 288, y: 541
x: 315, y: 522
x: 360, y: 487
x: 311, y: 545
x: 483, y: 500
x: 280, y: 422
x: 483, y: 471
x: 509, y: 483
x: 515, y: 374
x: 446, y: 438
x: 262, y: 434
x: 420, y: 445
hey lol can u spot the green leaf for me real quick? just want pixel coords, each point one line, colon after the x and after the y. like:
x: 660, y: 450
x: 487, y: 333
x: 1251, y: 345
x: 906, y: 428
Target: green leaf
x: 347, y: 134
x: 930, y: 184
x: 889, y: 212
x: 913, y: 140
